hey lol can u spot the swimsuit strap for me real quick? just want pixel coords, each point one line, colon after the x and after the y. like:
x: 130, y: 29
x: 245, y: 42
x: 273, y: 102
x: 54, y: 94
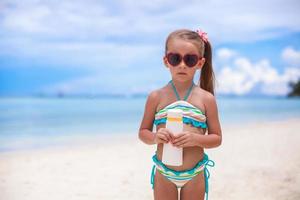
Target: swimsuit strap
x: 176, y: 93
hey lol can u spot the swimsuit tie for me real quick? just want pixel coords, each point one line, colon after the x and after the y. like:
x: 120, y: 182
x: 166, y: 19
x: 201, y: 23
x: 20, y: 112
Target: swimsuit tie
x: 209, y: 163
x: 152, y: 176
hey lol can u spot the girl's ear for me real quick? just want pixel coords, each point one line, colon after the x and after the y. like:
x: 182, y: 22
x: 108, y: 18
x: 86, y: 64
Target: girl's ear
x: 166, y: 62
x: 201, y: 63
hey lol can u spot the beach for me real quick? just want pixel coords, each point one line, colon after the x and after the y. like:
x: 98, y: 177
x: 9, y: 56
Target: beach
x: 260, y: 160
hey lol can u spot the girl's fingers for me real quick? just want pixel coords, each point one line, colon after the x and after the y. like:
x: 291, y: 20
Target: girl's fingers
x: 163, y: 137
x: 166, y: 133
x: 169, y: 137
x: 180, y: 135
x: 170, y: 133
x: 182, y: 140
x: 181, y: 143
x: 179, y: 139
x: 177, y: 144
x: 172, y: 136
x: 166, y: 140
x: 160, y: 140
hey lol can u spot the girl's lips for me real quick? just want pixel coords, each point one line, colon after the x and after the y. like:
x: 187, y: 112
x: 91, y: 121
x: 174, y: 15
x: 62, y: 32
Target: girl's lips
x: 181, y: 73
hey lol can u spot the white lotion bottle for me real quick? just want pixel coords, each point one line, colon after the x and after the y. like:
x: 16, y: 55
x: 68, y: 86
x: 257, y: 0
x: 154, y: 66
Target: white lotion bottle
x: 171, y: 155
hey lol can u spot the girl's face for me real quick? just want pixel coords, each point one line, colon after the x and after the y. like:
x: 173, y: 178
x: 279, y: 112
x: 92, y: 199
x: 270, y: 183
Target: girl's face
x: 182, y: 72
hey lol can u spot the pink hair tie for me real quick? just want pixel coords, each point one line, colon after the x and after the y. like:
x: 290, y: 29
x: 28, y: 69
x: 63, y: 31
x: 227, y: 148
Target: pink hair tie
x: 203, y: 35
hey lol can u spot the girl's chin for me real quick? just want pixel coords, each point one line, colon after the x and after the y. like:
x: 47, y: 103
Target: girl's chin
x: 181, y: 78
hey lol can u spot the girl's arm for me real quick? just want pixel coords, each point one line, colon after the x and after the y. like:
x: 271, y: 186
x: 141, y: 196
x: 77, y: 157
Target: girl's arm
x: 145, y: 131
x: 214, y: 137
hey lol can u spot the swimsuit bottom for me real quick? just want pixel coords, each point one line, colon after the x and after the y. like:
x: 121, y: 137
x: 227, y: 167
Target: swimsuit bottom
x: 180, y: 178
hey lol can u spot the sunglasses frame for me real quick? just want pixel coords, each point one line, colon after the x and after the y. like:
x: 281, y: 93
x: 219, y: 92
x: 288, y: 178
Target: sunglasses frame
x: 182, y: 58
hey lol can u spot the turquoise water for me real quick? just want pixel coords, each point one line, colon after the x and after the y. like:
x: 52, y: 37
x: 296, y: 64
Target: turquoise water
x: 40, y: 121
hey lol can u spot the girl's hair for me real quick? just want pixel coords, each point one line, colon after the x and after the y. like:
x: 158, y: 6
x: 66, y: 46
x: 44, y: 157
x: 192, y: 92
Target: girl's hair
x: 207, y: 78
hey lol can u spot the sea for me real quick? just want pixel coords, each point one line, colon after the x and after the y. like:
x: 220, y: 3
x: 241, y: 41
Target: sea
x: 36, y: 122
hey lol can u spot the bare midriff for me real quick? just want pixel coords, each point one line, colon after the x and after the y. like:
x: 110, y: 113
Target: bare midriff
x: 191, y: 155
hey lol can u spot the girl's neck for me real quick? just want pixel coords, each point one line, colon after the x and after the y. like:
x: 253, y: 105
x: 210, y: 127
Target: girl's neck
x: 182, y: 87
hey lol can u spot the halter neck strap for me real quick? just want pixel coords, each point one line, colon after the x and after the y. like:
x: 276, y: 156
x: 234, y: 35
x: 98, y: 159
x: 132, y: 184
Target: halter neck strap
x: 176, y: 93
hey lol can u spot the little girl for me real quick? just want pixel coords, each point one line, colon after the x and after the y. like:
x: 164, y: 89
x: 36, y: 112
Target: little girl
x: 186, y: 52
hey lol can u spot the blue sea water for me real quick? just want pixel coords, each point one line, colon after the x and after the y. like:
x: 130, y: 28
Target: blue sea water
x: 36, y: 122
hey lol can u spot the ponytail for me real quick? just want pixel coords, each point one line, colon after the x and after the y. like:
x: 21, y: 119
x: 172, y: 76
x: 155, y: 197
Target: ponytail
x: 207, y: 77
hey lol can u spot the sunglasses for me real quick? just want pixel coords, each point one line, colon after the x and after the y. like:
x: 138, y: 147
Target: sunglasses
x: 189, y: 60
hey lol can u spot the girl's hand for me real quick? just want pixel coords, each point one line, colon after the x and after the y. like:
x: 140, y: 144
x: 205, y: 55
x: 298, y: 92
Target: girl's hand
x: 185, y: 139
x: 163, y: 135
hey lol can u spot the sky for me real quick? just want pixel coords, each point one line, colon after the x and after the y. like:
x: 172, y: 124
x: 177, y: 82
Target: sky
x: 116, y: 47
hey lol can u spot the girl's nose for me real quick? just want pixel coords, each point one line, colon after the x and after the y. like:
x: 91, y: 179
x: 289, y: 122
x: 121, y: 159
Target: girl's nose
x: 182, y: 65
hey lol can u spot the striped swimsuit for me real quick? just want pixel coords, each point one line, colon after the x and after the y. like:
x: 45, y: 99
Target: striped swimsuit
x: 195, y: 117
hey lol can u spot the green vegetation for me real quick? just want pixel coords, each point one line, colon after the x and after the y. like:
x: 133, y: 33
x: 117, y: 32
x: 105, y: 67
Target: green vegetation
x: 295, y: 89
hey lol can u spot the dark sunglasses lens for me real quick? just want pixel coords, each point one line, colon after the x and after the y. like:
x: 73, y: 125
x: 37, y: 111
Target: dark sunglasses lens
x: 190, y: 60
x: 174, y: 58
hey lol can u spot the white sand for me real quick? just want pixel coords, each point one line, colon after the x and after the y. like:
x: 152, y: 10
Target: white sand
x: 257, y: 161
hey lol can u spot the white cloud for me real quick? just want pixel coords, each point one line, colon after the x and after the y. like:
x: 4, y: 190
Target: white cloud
x: 224, y: 54
x: 291, y: 56
x: 280, y: 84
x: 242, y: 76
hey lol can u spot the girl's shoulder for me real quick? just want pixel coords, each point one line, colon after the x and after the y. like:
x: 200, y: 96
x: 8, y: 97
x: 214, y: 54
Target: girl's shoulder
x: 204, y: 95
x: 156, y: 96
x: 158, y: 93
